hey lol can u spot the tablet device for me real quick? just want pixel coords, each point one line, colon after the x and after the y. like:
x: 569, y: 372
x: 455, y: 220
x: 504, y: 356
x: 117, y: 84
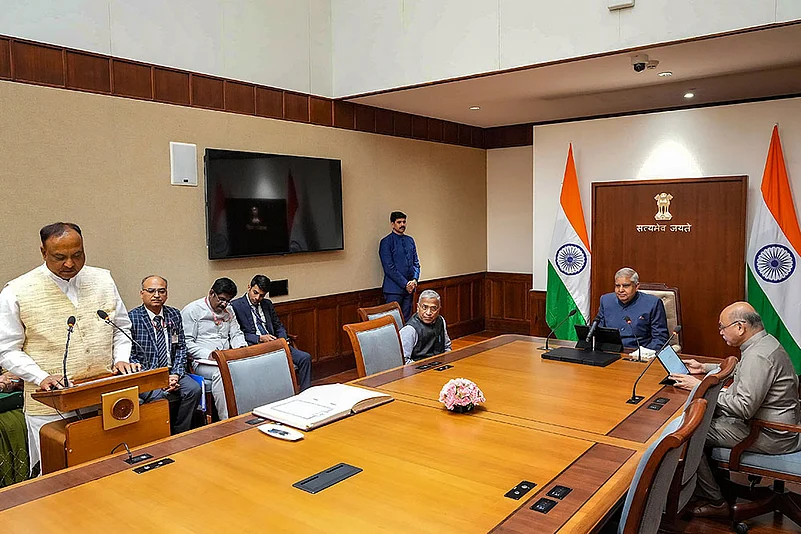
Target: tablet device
x: 671, y: 362
x: 606, y: 339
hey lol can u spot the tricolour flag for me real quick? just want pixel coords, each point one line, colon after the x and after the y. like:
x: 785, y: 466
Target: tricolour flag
x: 569, y: 260
x: 774, y: 285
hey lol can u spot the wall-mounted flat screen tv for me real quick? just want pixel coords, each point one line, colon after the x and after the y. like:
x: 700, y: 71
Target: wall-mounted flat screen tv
x: 262, y: 204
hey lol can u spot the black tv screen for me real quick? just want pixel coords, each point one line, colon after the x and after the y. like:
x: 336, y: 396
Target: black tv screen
x: 260, y: 204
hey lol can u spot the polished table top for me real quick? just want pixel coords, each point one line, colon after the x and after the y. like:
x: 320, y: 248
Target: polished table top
x: 424, y: 468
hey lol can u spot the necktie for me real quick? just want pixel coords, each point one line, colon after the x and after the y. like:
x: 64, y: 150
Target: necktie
x: 259, y: 322
x: 162, y: 355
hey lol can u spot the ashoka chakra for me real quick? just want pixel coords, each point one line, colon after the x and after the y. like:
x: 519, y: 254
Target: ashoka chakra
x: 774, y: 263
x: 571, y: 259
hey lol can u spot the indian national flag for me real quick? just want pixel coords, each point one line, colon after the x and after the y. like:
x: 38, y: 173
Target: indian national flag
x: 569, y: 260
x: 774, y: 284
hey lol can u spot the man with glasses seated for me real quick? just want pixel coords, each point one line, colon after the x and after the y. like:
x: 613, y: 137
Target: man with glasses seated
x: 765, y: 387
x: 209, y: 326
x: 425, y: 333
x: 159, y: 331
x: 259, y: 322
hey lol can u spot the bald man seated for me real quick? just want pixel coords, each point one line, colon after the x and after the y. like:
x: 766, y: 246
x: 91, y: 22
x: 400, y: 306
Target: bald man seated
x: 765, y: 387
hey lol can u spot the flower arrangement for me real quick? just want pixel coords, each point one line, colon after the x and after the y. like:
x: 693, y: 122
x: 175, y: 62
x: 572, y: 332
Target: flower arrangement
x: 461, y: 395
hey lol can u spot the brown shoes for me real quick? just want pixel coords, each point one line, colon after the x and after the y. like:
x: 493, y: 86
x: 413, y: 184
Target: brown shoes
x: 717, y: 511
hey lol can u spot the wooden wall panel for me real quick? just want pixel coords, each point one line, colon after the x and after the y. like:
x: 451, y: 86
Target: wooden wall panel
x: 171, y: 86
x: 88, y: 72
x: 365, y: 118
x: 450, y: 133
x: 38, y: 63
x: 344, y: 115
x: 269, y: 103
x: 706, y: 263
x: 384, y: 121
x: 328, y: 339
x: 296, y: 107
x: 465, y: 135
x: 536, y: 306
x: 507, y: 303
x: 5, y: 58
x: 403, y: 124
x: 240, y: 97
x: 321, y: 111
x: 419, y: 127
x: 133, y: 80
x: 477, y: 137
x: 435, y: 127
x: 207, y: 92
x: 509, y: 136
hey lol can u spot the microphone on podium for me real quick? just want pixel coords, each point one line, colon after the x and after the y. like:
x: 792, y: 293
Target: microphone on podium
x: 635, y: 399
x: 70, y: 326
x: 103, y: 315
x: 555, y: 328
x: 639, y: 347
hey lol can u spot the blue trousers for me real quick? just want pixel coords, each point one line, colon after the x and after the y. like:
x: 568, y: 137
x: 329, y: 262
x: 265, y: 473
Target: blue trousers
x: 404, y: 300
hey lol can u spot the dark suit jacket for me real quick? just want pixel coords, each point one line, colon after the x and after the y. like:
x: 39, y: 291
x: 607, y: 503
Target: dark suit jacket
x: 142, y: 331
x: 244, y: 316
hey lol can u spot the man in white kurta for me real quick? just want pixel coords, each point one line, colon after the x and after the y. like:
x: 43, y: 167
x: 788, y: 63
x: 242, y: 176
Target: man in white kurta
x: 34, y: 309
x: 210, y: 326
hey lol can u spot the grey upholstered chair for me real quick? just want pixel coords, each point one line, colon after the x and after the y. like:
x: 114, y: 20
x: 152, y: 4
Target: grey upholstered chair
x: 256, y: 375
x: 670, y: 298
x: 642, y: 510
x: 376, y: 345
x: 683, y: 484
x: 390, y: 308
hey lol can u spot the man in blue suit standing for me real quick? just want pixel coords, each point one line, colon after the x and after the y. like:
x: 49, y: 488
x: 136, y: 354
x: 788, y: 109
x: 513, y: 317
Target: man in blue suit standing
x: 398, y: 255
x: 259, y: 322
x: 159, y: 331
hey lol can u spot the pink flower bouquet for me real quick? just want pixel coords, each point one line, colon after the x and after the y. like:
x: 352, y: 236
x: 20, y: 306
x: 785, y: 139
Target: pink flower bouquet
x: 461, y: 395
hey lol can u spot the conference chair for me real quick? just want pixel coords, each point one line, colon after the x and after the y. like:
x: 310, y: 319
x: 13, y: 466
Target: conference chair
x: 376, y: 345
x: 682, y: 486
x: 256, y: 375
x: 390, y: 308
x: 670, y: 298
x: 782, y: 468
x: 646, y: 498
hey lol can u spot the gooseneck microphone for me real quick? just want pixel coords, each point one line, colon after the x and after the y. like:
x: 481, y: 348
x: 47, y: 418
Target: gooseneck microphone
x: 593, y: 326
x: 633, y: 333
x: 555, y: 328
x: 103, y: 315
x: 70, y: 326
x: 635, y: 399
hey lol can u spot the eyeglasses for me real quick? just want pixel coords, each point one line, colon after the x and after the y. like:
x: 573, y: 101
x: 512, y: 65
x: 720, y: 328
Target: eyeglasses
x: 222, y: 300
x: 721, y: 328
x: 159, y: 290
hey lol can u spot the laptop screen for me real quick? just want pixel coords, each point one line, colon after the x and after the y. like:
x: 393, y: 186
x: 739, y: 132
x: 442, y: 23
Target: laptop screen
x: 671, y: 362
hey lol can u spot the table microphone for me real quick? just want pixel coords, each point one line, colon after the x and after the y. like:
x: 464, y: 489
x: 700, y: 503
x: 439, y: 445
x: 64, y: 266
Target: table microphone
x: 70, y: 326
x: 635, y: 399
x: 639, y: 347
x: 555, y: 328
x: 593, y: 326
x: 103, y: 315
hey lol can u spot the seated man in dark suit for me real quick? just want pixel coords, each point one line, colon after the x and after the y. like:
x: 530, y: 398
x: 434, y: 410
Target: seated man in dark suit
x: 159, y: 331
x: 646, y: 312
x: 259, y: 322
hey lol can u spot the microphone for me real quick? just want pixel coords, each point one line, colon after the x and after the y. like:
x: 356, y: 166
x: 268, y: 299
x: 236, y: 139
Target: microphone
x: 103, y: 315
x: 639, y: 347
x: 593, y: 326
x: 70, y: 326
x: 635, y: 399
x: 555, y: 328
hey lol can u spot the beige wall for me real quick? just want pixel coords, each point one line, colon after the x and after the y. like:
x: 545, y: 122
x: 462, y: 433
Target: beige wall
x: 103, y: 162
x: 510, y: 176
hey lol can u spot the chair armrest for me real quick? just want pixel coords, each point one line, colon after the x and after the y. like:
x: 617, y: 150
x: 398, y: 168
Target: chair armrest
x: 756, y: 427
x: 291, y: 339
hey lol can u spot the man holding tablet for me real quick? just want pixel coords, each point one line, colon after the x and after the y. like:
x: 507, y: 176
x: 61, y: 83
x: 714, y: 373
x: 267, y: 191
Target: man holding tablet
x: 765, y: 387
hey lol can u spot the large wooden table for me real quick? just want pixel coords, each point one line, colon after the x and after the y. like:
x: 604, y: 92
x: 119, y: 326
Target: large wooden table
x: 424, y: 469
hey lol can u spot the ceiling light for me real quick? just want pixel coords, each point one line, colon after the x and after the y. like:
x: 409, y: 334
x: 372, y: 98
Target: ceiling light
x: 665, y: 74
x: 475, y: 108
x: 689, y: 94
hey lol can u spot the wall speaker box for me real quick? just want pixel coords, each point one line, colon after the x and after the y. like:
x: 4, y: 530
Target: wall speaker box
x: 183, y: 164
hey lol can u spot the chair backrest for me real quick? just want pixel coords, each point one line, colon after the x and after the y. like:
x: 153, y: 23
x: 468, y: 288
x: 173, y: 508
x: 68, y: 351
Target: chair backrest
x: 670, y: 298
x: 642, y: 510
x: 256, y: 375
x: 390, y: 308
x: 376, y: 345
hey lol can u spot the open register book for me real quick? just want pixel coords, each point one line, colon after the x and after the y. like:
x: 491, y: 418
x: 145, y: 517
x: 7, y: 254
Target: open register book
x: 319, y: 405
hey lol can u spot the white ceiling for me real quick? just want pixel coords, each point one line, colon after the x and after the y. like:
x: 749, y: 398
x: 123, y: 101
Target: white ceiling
x: 749, y: 65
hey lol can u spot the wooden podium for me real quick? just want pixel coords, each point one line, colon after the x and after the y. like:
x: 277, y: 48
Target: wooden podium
x: 72, y: 441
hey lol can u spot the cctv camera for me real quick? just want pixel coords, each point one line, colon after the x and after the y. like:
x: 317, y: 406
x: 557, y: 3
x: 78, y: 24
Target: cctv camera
x: 639, y: 62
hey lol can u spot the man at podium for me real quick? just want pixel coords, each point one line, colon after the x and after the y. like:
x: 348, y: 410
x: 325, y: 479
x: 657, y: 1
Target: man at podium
x: 34, y: 312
